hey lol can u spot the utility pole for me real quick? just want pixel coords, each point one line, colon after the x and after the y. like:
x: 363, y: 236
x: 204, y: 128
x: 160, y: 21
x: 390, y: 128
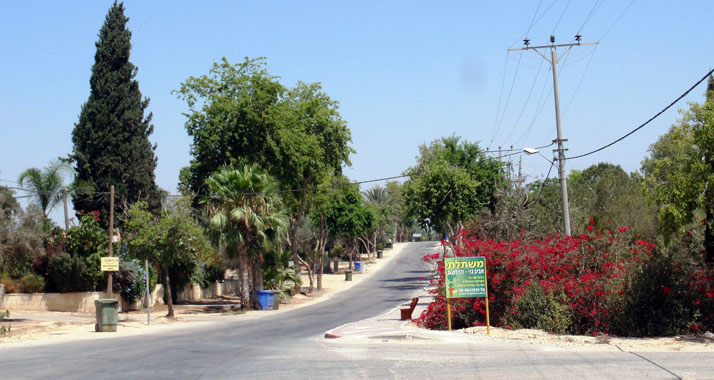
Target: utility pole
x: 66, y: 215
x: 561, y: 151
x: 111, y: 238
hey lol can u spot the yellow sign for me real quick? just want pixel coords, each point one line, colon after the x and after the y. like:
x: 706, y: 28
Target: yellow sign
x: 110, y: 264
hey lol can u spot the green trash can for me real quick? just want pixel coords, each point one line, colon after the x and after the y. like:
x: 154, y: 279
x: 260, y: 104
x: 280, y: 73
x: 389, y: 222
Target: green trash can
x: 379, y: 253
x: 107, y: 315
x: 348, y: 275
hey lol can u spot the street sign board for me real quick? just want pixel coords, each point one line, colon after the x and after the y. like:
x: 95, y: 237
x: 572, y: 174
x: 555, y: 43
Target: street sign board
x: 110, y: 264
x: 465, y: 277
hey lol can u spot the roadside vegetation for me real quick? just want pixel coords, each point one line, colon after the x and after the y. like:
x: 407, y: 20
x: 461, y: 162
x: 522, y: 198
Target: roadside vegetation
x: 640, y: 261
x: 264, y: 193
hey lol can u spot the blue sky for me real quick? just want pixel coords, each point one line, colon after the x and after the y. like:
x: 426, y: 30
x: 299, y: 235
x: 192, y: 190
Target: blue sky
x: 405, y: 72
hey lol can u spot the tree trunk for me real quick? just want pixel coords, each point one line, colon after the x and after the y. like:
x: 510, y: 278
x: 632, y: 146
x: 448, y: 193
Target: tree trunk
x: 294, y: 228
x: 244, y: 268
x: 167, y: 292
x: 257, y: 276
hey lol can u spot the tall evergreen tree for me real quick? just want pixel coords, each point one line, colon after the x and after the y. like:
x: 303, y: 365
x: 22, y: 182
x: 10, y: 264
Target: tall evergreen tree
x: 111, y: 139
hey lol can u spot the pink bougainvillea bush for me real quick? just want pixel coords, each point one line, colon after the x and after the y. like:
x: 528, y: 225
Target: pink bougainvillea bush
x: 600, y: 282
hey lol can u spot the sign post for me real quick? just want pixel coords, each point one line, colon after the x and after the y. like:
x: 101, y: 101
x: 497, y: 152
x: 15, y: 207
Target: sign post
x: 466, y: 278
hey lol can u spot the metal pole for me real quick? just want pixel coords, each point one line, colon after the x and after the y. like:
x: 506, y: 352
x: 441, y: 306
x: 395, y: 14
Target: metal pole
x: 148, y: 292
x: 561, y: 151
x: 111, y: 236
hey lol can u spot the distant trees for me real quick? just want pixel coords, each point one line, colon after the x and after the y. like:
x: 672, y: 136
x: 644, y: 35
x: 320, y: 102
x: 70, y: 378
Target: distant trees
x: 452, y: 181
x: 346, y: 216
x: 111, y: 138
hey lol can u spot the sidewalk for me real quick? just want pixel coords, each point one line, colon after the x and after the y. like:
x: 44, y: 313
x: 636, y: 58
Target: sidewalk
x: 385, y: 326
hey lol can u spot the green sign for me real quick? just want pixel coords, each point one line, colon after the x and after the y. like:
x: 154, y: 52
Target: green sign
x: 465, y: 277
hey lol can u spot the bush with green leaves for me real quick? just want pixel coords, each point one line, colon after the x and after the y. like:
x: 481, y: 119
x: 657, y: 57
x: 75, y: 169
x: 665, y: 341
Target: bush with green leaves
x: 4, y: 329
x: 658, y: 299
x: 535, y: 309
x: 68, y: 273
x: 32, y: 283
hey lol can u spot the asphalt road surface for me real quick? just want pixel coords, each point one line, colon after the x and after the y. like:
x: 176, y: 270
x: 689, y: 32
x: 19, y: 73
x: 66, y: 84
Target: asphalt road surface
x: 290, y: 345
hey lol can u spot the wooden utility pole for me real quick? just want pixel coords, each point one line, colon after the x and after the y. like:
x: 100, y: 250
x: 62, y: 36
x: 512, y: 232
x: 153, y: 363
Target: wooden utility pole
x: 66, y: 215
x: 111, y: 239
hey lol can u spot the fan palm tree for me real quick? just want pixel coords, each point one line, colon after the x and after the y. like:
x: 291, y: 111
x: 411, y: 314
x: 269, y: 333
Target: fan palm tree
x: 45, y: 185
x: 383, y: 205
x: 248, y: 219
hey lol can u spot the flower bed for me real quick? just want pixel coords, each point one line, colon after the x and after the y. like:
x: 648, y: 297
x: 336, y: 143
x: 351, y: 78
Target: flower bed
x: 600, y: 282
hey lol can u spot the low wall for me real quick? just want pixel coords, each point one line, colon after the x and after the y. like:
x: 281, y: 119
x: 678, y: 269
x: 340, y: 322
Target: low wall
x: 83, y: 302
x: 71, y: 302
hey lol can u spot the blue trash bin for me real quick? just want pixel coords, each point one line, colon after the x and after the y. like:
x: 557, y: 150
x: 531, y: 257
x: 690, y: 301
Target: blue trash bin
x: 358, y: 266
x: 265, y: 299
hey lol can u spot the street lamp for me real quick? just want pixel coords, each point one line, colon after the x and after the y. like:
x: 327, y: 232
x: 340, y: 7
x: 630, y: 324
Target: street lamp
x: 530, y: 151
x: 563, y: 189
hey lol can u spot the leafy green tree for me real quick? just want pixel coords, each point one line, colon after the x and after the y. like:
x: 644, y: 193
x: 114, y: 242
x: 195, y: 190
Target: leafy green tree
x: 452, y: 181
x: 111, y: 139
x: 249, y: 219
x: 346, y: 216
x: 45, y: 185
x: 174, y: 239
x: 680, y: 172
x: 241, y: 114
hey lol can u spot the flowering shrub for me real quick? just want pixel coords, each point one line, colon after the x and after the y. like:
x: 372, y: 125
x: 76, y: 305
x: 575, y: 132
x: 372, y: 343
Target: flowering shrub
x: 596, y: 283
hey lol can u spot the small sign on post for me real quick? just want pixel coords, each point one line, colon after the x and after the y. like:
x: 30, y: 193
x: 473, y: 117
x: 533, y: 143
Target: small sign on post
x: 110, y: 264
x: 466, y: 278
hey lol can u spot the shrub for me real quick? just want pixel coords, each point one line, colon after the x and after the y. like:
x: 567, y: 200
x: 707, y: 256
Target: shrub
x: 595, y: 283
x: 11, y: 286
x: 129, y: 281
x: 69, y: 274
x: 32, y: 283
x: 538, y: 310
x: 4, y: 329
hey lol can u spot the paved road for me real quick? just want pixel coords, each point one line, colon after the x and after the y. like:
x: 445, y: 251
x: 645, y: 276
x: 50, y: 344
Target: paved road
x: 290, y: 346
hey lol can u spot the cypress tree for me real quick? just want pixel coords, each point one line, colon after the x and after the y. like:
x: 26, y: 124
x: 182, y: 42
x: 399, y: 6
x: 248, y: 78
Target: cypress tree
x: 111, y: 139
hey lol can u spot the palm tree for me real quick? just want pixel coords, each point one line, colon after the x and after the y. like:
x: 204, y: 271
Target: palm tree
x: 46, y: 185
x: 248, y: 219
x: 383, y: 204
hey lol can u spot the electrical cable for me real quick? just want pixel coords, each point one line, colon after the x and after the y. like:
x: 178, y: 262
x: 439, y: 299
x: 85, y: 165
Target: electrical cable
x: 528, y: 97
x: 648, y: 121
x: 560, y: 18
x: 617, y: 20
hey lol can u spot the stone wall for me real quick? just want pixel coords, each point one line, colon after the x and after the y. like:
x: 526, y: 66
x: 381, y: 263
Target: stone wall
x: 83, y: 302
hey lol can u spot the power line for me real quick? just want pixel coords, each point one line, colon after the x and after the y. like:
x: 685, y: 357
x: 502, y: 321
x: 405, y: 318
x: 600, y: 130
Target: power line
x: 649, y: 120
x: 617, y: 19
x: 561, y: 17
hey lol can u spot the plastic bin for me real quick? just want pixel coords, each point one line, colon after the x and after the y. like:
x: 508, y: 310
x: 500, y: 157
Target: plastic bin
x: 107, y: 315
x: 358, y: 266
x: 348, y: 275
x: 266, y: 299
x: 379, y: 253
